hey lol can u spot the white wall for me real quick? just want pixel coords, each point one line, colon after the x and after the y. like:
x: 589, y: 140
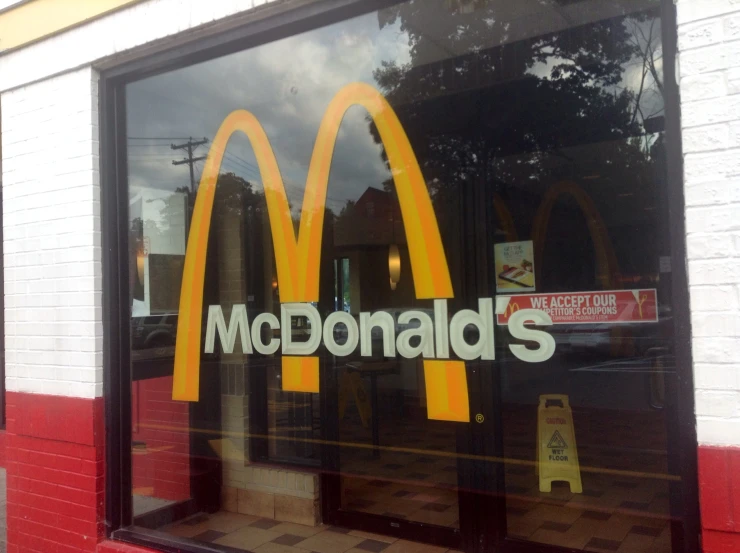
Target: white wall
x: 51, y: 186
x: 709, y: 69
x: 51, y: 224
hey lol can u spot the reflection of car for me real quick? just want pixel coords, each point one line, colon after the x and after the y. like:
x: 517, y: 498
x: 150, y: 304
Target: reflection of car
x: 153, y: 331
x: 608, y: 338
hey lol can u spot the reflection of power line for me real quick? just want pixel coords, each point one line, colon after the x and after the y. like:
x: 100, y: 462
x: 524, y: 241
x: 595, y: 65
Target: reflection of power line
x: 190, y: 146
x: 157, y: 137
x: 293, y: 191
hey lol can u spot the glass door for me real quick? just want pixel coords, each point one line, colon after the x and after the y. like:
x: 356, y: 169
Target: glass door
x: 544, y: 156
x: 396, y: 470
x: 587, y: 440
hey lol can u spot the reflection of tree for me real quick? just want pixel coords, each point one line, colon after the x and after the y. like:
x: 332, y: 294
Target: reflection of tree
x: 483, y: 106
x: 648, y: 98
x: 534, y: 95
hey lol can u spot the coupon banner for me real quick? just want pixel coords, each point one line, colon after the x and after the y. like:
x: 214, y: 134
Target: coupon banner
x: 612, y: 306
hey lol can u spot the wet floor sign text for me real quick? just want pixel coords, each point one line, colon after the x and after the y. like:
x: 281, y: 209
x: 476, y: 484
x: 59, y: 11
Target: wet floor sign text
x: 557, y: 454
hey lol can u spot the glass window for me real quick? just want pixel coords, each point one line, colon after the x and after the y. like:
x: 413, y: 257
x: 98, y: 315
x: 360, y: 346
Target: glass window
x: 408, y: 274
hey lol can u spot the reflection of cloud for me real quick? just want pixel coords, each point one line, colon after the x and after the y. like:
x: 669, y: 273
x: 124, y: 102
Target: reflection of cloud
x: 646, y: 36
x: 288, y: 85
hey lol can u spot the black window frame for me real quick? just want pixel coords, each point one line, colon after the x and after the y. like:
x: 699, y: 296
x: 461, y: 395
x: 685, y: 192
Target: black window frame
x: 250, y: 29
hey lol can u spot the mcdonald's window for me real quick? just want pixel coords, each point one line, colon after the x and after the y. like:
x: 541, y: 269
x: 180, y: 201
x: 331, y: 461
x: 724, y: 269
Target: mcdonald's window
x: 408, y: 273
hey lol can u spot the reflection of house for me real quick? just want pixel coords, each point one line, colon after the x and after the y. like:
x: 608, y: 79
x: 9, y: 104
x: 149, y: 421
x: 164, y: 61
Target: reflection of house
x: 375, y: 219
x: 162, y: 216
x: 363, y: 233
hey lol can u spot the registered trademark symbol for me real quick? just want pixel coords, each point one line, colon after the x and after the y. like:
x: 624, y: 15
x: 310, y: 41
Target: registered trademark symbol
x: 479, y: 417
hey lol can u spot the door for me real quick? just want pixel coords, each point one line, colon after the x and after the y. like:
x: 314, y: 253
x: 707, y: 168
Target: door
x: 573, y: 436
x: 392, y: 468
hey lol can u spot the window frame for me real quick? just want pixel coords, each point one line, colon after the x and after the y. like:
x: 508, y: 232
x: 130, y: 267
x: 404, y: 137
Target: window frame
x: 251, y: 29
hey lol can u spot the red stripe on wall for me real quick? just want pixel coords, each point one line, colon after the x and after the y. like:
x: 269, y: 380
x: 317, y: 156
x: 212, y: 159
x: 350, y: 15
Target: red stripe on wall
x: 55, y: 473
x: 719, y: 493
x: 2, y: 448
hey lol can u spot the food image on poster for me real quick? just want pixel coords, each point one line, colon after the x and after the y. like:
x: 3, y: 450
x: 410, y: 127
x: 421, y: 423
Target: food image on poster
x: 515, y: 266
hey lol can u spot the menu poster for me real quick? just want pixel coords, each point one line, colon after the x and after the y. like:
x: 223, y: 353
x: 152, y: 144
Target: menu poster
x: 515, y: 267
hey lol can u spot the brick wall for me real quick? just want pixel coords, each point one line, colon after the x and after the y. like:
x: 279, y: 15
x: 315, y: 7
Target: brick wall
x: 51, y: 225
x: 161, y: 463
x: 55, y: 473
x: 709, y: 68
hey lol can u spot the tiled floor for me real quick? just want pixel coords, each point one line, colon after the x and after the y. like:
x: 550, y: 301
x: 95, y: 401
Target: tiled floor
x: 411, y: 486
x: 268, y: 536
x: 624, y: 505
x: 414, y: 476
x: 144, y: 502
x: 411, y: 476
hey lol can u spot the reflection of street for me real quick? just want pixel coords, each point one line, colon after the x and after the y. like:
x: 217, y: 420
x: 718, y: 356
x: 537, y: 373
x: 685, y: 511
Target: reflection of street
x: 631, y: 365
x: 634, y: 383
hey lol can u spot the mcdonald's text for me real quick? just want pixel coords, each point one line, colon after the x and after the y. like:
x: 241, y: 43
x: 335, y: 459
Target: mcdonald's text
x: 430, y: 337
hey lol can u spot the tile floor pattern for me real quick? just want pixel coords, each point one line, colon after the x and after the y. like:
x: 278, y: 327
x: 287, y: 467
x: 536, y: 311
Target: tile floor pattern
x: 269, y: 536
x: 414, y: 477
x: 619, y: 510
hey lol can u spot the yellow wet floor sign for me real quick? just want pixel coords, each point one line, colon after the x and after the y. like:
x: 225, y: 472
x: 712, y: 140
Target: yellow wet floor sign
x: 557, y: 454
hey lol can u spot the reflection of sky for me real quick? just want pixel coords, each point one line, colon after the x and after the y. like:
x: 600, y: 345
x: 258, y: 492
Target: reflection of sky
x: 288, y: 85
x: 646, y: 35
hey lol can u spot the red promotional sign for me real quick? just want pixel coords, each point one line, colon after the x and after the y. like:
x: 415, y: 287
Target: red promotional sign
x: 611, y: 306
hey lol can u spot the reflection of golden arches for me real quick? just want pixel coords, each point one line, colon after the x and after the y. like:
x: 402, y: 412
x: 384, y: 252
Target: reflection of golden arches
x: 505, y: 220
x: 642, y: 299
x: 607, y: 269
x: 606, y: 260
x: 298, y: 261
x: 511, y: 308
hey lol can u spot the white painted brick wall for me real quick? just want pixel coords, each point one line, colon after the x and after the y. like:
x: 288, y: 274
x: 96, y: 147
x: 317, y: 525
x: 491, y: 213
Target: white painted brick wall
x: 113, y: 34
x: 51, y: 223
x: 709, y: 68
x: 49, y: 95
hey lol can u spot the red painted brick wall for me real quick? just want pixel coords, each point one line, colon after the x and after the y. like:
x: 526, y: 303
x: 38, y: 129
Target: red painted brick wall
x: 2, y: 448
x: 162, y: 468
x: 719, y: 492
x: 55, y: 473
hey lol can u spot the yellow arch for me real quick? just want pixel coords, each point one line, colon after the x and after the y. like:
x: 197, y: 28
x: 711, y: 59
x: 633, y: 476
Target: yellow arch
x: 298, y: 260
x: 505, y: 220
x: 608, y: 273
x: 606, y: 260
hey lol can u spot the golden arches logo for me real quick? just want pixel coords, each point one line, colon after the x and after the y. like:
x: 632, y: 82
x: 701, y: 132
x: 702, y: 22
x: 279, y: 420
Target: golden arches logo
x: 298, y: 258
x: 511, y: 308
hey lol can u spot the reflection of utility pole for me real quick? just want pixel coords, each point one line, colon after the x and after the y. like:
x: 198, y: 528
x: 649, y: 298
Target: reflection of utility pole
x: 190, y: 146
